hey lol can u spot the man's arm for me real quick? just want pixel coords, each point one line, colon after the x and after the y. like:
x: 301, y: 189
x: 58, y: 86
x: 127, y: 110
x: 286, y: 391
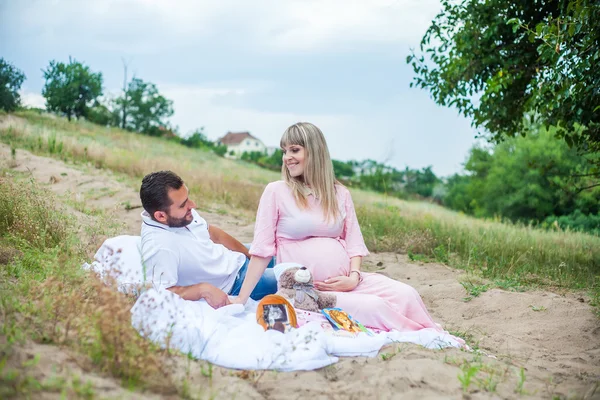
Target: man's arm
x: 214, y: 296
x: 219, y: 236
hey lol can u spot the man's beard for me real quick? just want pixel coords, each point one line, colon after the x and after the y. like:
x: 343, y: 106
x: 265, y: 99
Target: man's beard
x: 173, y: 222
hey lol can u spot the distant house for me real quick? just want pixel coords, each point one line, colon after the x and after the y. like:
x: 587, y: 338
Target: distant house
x: 239, y: 142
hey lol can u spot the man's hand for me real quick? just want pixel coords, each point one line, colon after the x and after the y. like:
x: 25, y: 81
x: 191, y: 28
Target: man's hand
x: 215, y: 297
x: 339, y: 284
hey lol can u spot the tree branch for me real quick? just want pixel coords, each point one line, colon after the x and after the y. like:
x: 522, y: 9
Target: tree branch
x: 587, y: 187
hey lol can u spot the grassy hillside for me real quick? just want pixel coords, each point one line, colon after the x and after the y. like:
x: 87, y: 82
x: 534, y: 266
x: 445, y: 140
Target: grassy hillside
x: 499, y: 251
x: 45, y: 296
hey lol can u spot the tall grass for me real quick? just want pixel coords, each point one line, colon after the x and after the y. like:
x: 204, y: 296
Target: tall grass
x: 46, y: 296
x: 212, y: 178
x: 491, y: 248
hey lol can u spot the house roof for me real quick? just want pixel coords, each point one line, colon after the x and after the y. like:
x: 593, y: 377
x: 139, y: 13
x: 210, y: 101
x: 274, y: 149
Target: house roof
x: 236, y: 138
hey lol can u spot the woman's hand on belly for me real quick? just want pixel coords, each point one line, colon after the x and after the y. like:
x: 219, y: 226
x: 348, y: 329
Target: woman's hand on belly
x: 338, y: 284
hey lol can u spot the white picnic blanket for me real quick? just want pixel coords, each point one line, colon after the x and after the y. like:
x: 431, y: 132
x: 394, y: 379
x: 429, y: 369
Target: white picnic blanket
x: 230, y: 336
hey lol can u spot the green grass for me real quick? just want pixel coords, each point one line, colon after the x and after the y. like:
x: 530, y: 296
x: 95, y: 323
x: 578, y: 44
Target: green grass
x: 512, y: 256
x: 45, y: 296
x: 473, y: 289
x: 475, y: 372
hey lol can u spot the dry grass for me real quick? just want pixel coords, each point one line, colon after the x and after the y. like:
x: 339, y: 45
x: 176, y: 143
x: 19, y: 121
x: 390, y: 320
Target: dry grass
x: 86, y: 314
x: 46, y: 296
x: 490, y: 247
x: 212, y: 178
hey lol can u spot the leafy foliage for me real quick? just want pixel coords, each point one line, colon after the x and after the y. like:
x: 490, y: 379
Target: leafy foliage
x: 420, y: 182
x: 506, y: 64
x: 199, y: 140
x: 272, y: 162
x: 527, y: 178
x: 71, y: 88
x: 145, y: 109
x: 343, y: 170
x: 576, y: 221
x: 370, y: 174
x: 11, y: 80
x: 102, y: 115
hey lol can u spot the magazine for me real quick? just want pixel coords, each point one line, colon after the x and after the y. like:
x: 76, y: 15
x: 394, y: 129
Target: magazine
x: 329, y: 329
x: 341, y: 320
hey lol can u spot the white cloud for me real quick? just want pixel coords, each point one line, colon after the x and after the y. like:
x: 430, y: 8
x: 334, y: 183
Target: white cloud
x: 390, y: 134
x: 200, y: 106
x: 145, y: 26
x: 319, y: 24
x: 30, y: 99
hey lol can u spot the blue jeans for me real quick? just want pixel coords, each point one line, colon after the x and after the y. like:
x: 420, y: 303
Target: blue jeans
x: 266, y: 285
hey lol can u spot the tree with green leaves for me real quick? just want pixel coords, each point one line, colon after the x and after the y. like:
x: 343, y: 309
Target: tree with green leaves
x: 377, y: 176
x: 529, y: 178
x: 273, y: 162
x: 197, y: 140
x: 11, y: 79
x: 343, y: 169
x: 145, y: 109
x: 252, y: 156
x: 506, y: 64
x: 102, y: 115
x: 466, y: 193
x: 420, y: 182
x: 71, y: 89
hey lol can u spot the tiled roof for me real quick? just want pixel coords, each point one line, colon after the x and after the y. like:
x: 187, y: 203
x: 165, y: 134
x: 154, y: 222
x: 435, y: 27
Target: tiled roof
x: 235, y: 137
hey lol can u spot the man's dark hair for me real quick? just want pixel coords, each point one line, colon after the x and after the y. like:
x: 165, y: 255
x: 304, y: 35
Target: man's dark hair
x: 154, y: 191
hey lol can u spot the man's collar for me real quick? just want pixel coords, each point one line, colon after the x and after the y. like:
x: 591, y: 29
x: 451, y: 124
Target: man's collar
x: 146, y: 219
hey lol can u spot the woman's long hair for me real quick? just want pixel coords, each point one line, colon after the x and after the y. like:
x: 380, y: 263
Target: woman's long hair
x: 318, y: 169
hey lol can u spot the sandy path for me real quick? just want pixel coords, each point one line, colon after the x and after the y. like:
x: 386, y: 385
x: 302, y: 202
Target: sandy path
x: 556, y: 350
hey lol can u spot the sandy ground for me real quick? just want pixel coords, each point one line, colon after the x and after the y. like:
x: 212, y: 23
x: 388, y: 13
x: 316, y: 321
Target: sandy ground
x: 535, y: 344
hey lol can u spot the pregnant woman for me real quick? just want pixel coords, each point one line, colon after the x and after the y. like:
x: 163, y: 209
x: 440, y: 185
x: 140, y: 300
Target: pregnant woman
x: 309, y: 218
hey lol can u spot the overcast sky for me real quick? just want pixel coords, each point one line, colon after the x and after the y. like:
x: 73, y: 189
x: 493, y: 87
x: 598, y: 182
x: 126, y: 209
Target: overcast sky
x: 258, y: 66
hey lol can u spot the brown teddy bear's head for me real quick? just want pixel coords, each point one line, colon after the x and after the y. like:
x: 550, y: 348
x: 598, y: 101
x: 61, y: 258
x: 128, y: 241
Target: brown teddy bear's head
x: 294, y: 275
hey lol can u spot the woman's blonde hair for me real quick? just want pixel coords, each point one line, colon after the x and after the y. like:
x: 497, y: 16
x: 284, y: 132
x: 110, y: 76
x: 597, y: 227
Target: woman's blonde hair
x: 318, y: 169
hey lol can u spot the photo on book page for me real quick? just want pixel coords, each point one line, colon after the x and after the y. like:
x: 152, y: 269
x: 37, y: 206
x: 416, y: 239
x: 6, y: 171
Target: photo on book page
x: 340, y: 319
x: 275, y: 312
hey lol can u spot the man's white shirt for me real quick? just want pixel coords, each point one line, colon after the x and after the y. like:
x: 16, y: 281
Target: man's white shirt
x: 186, y: 256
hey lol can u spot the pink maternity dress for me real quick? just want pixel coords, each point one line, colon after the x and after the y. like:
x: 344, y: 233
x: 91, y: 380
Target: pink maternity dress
x: 325, y: 248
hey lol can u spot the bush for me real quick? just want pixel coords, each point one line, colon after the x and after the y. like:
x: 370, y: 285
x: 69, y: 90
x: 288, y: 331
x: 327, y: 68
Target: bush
x: 197, y: 140
x: 252, y: 156
x: 576, y: 221
x: 220, y: 150
x: 101, y: 115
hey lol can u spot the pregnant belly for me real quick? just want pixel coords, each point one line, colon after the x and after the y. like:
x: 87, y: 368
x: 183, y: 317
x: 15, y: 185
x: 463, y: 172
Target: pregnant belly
x: 324, y: 257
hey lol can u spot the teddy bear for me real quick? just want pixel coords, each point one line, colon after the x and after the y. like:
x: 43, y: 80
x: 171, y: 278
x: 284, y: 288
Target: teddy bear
x: 296, y: 285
